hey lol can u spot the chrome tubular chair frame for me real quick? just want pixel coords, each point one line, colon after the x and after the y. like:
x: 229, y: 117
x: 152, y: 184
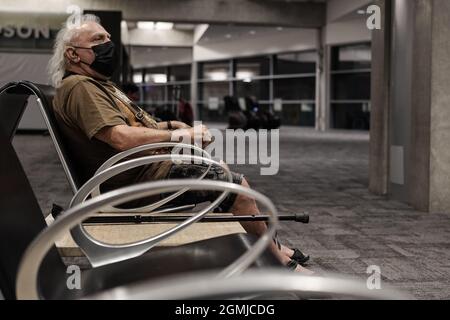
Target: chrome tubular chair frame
x: 35, y: 89
x: 208, y: 286
x: 99, y: 253
x: 27, y: 89
x: 27, y: 277
x: 116, y: 158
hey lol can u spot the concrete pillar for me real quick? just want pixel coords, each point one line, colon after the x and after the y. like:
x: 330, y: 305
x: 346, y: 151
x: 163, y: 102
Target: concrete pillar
x: 194, y: 89
x: 410, y: 134
x: 400, y: 101
x: 440, y: 106
x: 419, y: 173
x: 380, y: 82
x: 319, y: 71
x: 322, y: 83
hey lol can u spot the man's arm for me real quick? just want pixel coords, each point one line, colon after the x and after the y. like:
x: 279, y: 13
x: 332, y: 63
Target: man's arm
x: 124, y: 137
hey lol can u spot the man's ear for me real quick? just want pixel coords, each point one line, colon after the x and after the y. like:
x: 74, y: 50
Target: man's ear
x: 72, y: 55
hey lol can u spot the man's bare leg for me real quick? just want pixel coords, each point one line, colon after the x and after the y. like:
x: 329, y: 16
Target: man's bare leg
x: 245, y: 206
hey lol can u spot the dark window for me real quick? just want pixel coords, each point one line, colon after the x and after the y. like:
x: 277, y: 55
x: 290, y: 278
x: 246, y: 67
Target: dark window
x: 213, y: 90
x: 246, y: 68
x: 298, y: 114
x: 295, y: 89
x: 217, y: 70
x: 180, y: 73
x: 176, y: 92
x: 295, y: 63
x: 153, y: 93
x: 351, y: 57
x: 256, y: 88
x: 351, y: 86
x: 355, y: 116
x: 290, y: 92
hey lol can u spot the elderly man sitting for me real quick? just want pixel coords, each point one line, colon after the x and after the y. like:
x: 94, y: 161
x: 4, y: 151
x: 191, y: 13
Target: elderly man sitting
x: 96, y: 119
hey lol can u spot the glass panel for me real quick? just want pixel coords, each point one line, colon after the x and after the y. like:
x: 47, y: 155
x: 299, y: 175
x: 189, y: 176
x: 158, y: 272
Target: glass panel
x: 218, y: 70
x: 295, y: 89
x: 354, y: 86
x: 214, y: 90
x: 298, y: 114
x: 216, y: 114
x: 156, y: 75
x: 351, y: 57
x: 176, y: 92
x: 153, y: 93
x: 259, y: 89
x: 180, y: 73
x: 293, y: 63
x: 246, y: 68
x: 355, y: 116
x: 137, y: 76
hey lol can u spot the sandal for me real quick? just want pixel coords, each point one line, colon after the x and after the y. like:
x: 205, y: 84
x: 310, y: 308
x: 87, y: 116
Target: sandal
x: 299, y: 257
x: 292, y: 265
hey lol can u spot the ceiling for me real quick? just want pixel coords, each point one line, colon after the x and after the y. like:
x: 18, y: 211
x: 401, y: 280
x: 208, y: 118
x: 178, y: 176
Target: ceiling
x: 220, y: 33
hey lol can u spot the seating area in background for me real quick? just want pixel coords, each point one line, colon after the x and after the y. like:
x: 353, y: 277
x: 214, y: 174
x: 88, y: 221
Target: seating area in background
x: 246, y: 113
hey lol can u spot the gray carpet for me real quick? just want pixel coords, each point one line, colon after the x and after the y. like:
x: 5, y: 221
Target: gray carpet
x: 325, y: 174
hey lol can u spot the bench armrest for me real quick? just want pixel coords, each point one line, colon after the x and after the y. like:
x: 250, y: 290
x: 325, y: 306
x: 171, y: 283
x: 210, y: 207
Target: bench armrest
x: 27, y: 278
x: 208, y: 286
x: 100, y: 253
x: 148, y: 147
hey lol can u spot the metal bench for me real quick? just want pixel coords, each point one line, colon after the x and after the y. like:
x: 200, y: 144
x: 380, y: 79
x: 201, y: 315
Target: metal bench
x: 13, y: 101
x: 21, y: 222
x: 30, y: 267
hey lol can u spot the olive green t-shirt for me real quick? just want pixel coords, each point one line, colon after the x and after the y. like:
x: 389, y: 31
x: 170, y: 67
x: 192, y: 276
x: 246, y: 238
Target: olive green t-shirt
x: 82, y: 109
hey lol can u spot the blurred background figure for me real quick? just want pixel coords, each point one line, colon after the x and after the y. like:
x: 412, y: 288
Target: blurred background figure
x: 236, y: 118
x: 185, y: 112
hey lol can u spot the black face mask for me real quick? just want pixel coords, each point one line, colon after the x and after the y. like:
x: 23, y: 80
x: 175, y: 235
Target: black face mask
x: 105, y: 61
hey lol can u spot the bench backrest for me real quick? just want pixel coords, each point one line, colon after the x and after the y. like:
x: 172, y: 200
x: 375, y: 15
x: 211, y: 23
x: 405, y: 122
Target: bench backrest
x: 13, y: 98
x: 21, y: 220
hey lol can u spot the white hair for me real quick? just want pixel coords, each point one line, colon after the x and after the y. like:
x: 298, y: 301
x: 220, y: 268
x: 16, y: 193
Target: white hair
x: 57, y: 64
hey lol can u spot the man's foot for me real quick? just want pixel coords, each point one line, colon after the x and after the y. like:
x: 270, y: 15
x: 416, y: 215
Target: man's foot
x: 295, y: 266
x: 287, y: 251
x: 295, y: 254
x: 301, y: 258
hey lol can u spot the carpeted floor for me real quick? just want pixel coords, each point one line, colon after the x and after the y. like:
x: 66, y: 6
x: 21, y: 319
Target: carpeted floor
x: 325, y: 174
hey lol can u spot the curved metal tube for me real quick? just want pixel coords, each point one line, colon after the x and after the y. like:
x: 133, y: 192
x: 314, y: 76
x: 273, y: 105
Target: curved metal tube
x: 116, y: 158
x: 99, y: 253
x: 27, y: 276
x: 208, y: 286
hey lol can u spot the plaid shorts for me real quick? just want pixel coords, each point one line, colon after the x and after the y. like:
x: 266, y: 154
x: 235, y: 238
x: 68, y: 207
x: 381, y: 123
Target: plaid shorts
x: 192, y: 171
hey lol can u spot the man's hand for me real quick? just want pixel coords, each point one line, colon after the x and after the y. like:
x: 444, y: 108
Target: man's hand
x: 207, y: 137
x: 196, y: 134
